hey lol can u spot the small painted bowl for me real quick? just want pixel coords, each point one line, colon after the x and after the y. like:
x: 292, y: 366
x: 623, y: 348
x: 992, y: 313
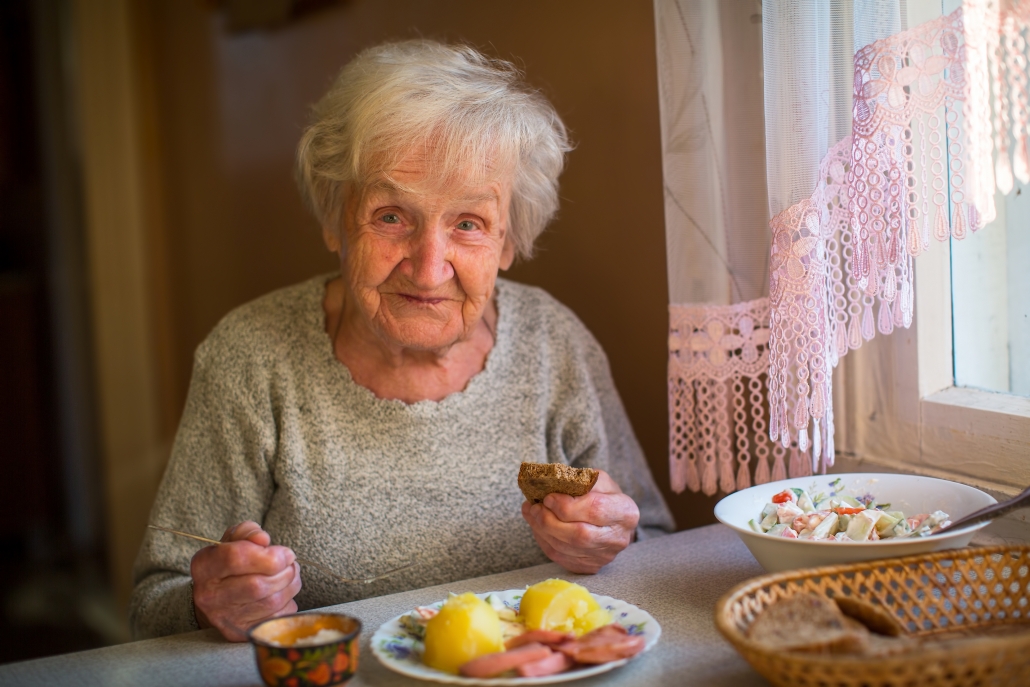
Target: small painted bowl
x: 306, y: 649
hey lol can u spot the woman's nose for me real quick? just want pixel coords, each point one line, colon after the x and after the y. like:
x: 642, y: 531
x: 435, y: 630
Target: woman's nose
x: 429, y: 264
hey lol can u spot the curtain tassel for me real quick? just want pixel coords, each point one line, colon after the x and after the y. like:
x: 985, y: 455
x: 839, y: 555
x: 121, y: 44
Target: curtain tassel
x: 709, y: 483
x: 762, y: 470
x: 726, y: 479
x: 743, y: 477
x: 779, y: 470
x: 958, y: 227
x: 941, y: 230
x: 691, y: 479
x: 796, y: 469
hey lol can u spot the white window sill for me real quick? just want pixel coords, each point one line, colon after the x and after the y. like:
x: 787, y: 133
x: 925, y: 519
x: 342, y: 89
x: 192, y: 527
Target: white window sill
x: 979, y: 434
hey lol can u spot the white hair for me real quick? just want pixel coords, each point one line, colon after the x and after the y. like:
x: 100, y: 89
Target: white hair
x: 473, y: 116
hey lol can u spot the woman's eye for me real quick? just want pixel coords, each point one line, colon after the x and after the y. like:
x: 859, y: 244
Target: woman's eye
x: 391, y: 218
x: 467, y: 225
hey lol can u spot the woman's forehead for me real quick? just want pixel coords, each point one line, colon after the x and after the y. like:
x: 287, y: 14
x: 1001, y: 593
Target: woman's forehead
x: 416, y: 182
x: 441, y: 164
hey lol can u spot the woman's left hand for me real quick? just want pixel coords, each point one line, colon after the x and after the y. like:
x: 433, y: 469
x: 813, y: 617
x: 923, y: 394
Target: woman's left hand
x: 584, y: 533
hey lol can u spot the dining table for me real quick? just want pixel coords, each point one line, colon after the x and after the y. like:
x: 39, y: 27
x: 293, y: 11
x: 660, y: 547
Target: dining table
x: 676, y: 578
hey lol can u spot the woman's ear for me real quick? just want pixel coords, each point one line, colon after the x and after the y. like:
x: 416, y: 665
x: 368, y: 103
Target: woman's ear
x: 507, y: 254
x: 333, y: 229
x: 331, y: 236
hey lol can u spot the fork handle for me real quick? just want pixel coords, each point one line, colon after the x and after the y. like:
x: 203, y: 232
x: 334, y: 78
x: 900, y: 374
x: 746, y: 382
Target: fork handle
x: 302, y: 561
x: 195, y: 537
x: 995, y: 510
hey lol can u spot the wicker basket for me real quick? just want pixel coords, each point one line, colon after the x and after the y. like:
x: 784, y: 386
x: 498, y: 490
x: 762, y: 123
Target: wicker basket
x: 981, y: 590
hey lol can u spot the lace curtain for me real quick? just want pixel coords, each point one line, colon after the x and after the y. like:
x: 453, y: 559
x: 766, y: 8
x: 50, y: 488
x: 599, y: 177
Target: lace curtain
x: 710, y: 71
x: 877, y: 138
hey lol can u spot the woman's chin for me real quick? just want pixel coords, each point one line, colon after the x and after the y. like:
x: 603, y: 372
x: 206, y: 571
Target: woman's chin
x: 422, y: 336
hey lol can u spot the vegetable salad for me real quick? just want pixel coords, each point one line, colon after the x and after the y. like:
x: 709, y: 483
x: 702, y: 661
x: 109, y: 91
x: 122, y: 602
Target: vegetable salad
x: 797, y: 514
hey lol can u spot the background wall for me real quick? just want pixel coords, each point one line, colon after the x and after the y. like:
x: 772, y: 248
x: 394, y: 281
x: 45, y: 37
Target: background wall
x: 219, y: 115
x: 231, y: 108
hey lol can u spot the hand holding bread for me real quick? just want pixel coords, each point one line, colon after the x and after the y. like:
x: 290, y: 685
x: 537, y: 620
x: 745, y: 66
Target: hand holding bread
x: 584, y: 532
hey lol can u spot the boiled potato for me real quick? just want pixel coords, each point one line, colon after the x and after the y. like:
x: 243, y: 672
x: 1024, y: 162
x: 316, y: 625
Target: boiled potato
x: 465, y: 628
x: 562, y: 606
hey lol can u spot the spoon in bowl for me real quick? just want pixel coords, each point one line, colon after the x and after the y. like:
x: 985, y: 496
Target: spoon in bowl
x: 989, y: 513
x: 302, y: 561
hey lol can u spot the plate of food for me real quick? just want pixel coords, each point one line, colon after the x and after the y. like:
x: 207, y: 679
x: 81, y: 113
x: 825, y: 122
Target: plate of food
x: 553, y: 631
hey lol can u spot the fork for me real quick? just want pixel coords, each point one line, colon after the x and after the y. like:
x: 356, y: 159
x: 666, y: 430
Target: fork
x: 992, y: 512
x: 302, y: 561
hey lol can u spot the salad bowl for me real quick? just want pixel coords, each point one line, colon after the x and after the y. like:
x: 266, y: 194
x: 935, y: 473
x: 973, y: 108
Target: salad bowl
x: 911, y: 494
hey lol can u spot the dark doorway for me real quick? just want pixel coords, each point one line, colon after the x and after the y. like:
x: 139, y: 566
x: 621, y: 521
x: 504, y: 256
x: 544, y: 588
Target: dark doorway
x: 55, y: 596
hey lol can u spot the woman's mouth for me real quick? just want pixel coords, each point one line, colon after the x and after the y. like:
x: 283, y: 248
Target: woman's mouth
x: 414, y: 299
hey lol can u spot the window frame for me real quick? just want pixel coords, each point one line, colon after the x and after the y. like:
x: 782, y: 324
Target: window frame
x: 896, y: 399
x: 900, y: 408
x: 958, y: 422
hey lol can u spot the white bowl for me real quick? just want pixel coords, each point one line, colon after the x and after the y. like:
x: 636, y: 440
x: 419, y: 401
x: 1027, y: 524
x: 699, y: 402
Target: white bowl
x: 910, y: 494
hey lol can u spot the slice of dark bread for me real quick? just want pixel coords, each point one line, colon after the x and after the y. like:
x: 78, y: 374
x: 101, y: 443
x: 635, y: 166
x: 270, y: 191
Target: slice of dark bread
x: 808, y: 623
x: 874, y: 618
x: 537, y: 480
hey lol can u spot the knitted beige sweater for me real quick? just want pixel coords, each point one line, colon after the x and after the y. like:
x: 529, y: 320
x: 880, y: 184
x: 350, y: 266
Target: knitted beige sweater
x: 275, y: 430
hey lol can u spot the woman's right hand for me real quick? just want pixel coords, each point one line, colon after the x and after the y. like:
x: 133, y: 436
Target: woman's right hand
x: 243, y: 581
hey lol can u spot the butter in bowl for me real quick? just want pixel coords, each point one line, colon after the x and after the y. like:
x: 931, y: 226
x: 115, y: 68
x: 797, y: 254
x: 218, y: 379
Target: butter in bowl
x: 306, y: 649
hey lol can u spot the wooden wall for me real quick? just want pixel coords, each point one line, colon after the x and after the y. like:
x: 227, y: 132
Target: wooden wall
x: 218, y: 117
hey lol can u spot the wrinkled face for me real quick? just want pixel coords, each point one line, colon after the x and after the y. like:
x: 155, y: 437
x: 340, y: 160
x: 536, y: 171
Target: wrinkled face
x: 420, y: 258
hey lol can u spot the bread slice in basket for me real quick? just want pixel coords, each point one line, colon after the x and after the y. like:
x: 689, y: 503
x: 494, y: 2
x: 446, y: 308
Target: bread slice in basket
x: 809, y: 623
x: 537, y: 480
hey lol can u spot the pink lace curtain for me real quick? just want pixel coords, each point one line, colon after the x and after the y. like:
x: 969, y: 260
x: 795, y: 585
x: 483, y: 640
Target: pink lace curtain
x: 716, y: 208
x: 860, y: 176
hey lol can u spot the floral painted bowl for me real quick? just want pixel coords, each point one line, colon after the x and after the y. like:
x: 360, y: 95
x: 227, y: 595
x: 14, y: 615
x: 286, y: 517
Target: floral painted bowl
x: 306, y: 649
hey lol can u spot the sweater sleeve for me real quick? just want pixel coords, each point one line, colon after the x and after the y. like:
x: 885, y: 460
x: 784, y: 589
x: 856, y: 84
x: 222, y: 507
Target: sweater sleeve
x: 218, y: 475
x: 594, y: 431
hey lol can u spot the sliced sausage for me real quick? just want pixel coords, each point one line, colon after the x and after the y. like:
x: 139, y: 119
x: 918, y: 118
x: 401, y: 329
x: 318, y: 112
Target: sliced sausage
x: 491, y: 665
x: 613, y: 628
x: 609, y: 643
x: 548, y: 637
x: 557, y: 662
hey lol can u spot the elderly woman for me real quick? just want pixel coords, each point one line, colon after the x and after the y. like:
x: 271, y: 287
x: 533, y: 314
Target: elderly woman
x: 380, y: 414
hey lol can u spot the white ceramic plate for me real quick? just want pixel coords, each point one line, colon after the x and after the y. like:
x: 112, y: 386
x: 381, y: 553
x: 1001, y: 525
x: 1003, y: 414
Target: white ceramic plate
x: 401, y: 651
x: 910, y: 494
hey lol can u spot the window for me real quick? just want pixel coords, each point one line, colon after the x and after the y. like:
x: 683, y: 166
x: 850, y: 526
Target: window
x: 949, y: 396
x: 990, y: 286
